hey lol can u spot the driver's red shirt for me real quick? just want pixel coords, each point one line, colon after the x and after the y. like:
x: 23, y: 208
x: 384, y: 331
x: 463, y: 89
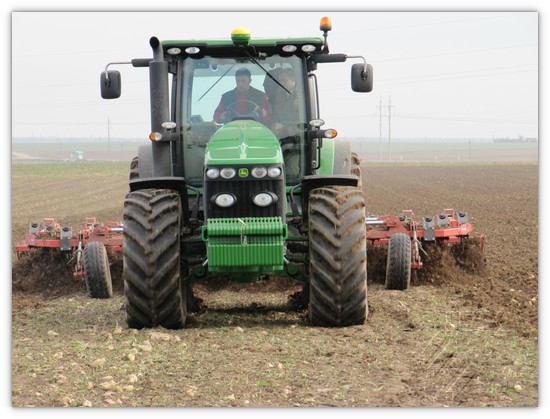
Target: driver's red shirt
x: 242, y: 106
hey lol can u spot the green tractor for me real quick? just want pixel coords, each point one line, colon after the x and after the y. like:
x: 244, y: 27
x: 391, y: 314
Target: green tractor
x: 245, y: 192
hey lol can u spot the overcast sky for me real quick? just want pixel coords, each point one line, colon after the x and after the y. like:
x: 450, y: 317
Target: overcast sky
x: 451, y: 74
x: 447, y: 74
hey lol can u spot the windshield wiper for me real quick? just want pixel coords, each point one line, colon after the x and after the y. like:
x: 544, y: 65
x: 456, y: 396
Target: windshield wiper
x: 253, y: 60
x: 221, y: 77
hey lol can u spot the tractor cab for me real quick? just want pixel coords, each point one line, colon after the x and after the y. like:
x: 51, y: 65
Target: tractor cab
x: 205, y: 98
x: 210, y: 107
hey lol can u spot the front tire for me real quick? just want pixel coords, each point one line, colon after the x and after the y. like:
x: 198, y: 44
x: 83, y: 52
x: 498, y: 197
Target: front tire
x: 97, y: 271
x: 338, y: 257
x: 153, y: 290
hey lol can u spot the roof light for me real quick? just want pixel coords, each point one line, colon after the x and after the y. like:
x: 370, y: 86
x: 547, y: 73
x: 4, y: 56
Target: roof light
x: 174, y: 51
x: 290, y: 48
x: 326, y: 24
x: 308, y: 48
x: 240, y: 37
x: 192, y: 50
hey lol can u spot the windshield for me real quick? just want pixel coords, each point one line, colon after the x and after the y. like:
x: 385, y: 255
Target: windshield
x: 216, y: 91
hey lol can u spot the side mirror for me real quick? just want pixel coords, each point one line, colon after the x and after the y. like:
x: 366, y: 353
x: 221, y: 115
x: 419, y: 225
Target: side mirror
x: 361, y: 80
x: 110, y: 84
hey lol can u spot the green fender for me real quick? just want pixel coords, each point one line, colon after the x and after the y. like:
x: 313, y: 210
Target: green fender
x: 335, y: 157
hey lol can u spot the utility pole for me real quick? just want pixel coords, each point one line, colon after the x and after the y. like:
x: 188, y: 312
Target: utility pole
x: 380, y: 130
x: 109, y: 138
x: 389, y: 127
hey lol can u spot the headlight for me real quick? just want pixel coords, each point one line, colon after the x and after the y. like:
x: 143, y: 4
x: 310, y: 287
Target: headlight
x: 227, y: 172
x: 264, y: 199
x: 259, y: 172
x: 274, y: 172
x: 225, y: 200
x: 212, y: 173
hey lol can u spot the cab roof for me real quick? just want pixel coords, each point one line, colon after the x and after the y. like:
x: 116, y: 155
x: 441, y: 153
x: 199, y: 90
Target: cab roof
x: 226, y: 46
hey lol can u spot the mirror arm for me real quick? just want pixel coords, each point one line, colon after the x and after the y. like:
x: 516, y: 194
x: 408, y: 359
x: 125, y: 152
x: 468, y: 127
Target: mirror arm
x: 107, y: 68
x: 136, y: 62
x: 364, y: 62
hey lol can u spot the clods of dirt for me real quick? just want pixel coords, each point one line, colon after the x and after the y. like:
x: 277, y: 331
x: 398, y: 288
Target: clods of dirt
x: 50, y: 274
x: 45, y: 272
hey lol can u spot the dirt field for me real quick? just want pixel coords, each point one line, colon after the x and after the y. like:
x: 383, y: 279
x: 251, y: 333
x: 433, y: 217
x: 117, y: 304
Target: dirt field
x: 456, y: 338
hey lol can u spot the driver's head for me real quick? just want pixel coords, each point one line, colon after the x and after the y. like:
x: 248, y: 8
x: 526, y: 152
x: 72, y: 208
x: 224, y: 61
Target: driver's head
x: 243, y: 79
x: 288, y: 79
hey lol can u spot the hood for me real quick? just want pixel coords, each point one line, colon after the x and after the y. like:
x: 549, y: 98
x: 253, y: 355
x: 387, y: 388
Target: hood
x: 243, y: 142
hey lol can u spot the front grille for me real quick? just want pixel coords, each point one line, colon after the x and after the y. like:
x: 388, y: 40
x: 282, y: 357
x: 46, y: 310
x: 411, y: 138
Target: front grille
x: 244, y: 190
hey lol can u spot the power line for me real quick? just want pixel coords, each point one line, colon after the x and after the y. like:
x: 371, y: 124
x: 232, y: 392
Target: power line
x: 438, y: 22
x: 433, y: 79
x: 464, y: 72
x: 64, y: 85
x: 467, y: 119
x: 380, y: 131
x: 90, y: 124
x: 439, y: 118
x: 53, y: 105
x: 442, y: 76
x: 443, y: 54
x: 390, y: 109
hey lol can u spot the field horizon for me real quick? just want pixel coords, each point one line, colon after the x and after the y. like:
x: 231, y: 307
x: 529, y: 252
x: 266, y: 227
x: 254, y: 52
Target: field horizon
x: 368, y: 151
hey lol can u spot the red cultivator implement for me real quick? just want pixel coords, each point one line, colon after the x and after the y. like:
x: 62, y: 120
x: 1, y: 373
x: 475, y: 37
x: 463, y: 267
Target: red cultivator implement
x: 89, y: 249
x: 405, y: 240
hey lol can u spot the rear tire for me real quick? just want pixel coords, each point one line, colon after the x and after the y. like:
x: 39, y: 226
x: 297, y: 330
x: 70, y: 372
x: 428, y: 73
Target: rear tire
x: 337, y: 253
x: 134, y: 168
x: 145, y: 161
x: 153, y: 288
x: 356, y: 168
x: 97, y: 271
x: 141, y: 166
x: 398, y: 266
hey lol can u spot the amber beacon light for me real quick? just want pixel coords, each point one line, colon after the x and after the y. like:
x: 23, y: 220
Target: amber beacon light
x: 326, y: 24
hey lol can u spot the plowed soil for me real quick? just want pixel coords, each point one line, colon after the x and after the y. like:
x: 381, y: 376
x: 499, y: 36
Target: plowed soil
x: 502, y: 203
x: 465, y: 334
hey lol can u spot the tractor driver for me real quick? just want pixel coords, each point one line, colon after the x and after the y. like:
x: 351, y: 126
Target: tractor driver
x: 244, y: 100
x: 285, y: 105
x: 285, y: 118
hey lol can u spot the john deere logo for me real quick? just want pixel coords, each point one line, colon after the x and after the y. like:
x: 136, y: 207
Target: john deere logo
x: 243, y: 172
